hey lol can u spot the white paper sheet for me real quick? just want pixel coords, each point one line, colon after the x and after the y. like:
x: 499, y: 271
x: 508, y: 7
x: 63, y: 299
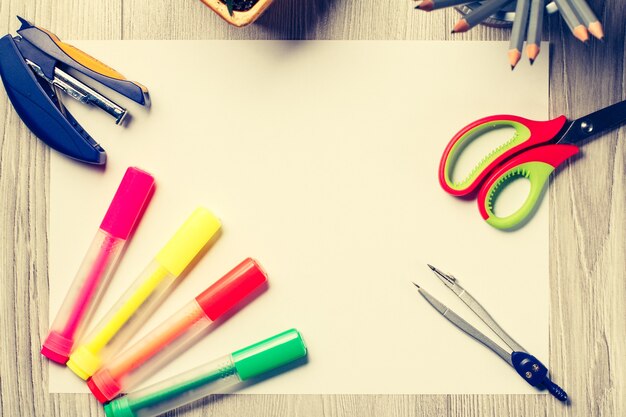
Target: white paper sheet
x: 321, y: 160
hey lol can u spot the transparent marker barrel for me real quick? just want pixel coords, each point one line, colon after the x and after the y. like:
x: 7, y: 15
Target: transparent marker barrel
x: 213, y: 377
x: 133, y: 365
x: 95, y: 271
x: 123, y: 320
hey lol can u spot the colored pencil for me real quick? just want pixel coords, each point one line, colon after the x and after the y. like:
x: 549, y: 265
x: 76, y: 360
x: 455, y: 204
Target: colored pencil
x: 528, y: 21
x: 478, y: 15
x: 535, y: 26
x: 428, y: 5
x: 588, y: 17
x: 518, y: 34
x: 573, y: 22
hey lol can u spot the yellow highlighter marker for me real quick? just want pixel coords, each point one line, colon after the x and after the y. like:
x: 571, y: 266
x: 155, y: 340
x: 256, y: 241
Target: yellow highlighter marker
x: 139, y: 301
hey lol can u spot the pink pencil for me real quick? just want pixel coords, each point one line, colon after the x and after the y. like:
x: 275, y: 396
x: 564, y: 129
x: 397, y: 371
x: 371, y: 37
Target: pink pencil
x: 127, y: 207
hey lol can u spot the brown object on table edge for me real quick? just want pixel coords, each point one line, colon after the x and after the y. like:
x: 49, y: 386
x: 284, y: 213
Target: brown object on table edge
x: 238, y: 19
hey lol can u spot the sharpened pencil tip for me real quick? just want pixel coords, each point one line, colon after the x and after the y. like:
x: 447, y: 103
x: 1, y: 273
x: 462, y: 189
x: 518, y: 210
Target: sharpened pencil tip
x: 418, y: 287
x: 461, y: 26
x: 514, y: 56
x: 581, y: 33
x: 532, y: 51
x: 425, y: 5
x: 595, y: 28
x: 432, y: 268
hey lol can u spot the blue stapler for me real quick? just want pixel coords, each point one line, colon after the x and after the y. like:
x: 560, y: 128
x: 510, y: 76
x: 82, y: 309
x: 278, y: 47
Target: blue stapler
x: 34, y: 68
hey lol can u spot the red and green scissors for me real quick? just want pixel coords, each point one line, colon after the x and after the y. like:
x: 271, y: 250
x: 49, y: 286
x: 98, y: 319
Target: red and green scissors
x: 534, y: 151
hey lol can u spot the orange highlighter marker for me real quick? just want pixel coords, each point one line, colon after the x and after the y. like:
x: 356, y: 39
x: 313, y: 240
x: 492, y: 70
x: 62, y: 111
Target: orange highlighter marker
x: 171, y: 337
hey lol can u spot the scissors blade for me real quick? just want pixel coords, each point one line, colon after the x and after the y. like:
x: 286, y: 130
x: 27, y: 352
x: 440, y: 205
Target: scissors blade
x: 465, y: 326
x: 596, y: 122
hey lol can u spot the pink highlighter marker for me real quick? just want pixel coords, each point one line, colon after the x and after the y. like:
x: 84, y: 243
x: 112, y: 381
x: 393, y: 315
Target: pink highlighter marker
x: 127, y: 207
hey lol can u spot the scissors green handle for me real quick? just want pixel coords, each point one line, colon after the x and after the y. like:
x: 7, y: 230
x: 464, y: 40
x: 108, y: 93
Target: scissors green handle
x: 536, y: 165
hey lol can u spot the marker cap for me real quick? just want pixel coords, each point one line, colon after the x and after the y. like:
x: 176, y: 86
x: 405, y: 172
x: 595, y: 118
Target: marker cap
x: 128, y: 203
x: 57, y: 347
x: 83, y: 362
x: 231, y: 288
x: 269, y: 354
x: 178, y: 253
x: 118, y: 408
x: 103, y: 386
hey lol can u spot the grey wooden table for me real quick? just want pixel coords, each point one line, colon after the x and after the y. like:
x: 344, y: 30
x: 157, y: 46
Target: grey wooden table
x: 587, y: 228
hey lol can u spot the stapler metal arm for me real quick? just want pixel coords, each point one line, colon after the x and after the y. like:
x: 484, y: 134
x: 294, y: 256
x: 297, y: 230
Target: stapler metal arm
x: 72, y: 57
x: 33, y: 67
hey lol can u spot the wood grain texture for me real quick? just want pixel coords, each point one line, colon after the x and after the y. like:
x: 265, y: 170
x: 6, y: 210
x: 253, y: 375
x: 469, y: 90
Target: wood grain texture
x: 587, y: 213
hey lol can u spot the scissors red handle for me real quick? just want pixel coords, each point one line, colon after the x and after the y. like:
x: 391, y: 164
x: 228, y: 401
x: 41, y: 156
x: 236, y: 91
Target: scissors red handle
x: 528, y: 133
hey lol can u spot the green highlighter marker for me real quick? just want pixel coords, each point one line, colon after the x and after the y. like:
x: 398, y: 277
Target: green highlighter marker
x: 212, y: 377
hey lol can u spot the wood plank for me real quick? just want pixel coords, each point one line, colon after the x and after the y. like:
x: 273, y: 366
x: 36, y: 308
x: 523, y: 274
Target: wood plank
x: 24, y: 170
x: 587, y: 211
